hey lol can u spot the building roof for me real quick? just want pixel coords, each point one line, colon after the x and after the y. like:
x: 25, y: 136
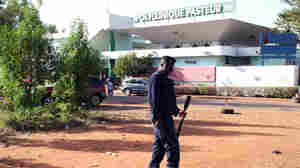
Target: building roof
x: 227, y: 30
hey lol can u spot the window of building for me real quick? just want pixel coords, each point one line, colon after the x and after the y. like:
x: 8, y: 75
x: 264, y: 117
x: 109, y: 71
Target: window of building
x: 236, y: 61
x: 190, y: 61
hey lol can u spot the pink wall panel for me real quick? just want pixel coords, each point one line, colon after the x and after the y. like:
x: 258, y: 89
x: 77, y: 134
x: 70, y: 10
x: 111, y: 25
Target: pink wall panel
x: 201, y: 74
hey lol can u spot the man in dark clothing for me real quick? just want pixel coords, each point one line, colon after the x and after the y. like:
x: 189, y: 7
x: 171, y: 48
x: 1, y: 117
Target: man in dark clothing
x: 162, y: 100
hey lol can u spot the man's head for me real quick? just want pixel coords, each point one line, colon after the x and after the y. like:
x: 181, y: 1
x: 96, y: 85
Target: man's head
x: 167, y: 64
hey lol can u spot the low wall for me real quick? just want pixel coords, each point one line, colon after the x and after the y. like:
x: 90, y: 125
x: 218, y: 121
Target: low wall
x: 257, y: 76
x: 250, y: 81
x: 195, y: 74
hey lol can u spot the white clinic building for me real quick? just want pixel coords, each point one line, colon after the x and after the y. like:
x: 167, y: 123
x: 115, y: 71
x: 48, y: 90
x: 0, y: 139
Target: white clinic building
x: 201, y: 36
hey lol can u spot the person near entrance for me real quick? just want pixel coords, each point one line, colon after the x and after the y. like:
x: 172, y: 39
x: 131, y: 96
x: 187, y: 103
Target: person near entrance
x: 162, y: 101
x: 110, y: 89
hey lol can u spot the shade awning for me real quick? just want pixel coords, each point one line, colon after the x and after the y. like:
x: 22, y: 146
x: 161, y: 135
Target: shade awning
x: 227, y: 30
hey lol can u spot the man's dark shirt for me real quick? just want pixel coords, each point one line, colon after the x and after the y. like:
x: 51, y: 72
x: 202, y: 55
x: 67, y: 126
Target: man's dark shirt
x: 161, y: 97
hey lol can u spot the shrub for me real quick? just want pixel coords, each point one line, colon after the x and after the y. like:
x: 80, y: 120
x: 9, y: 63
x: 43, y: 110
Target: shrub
x: 131, y: 65
x: 195, y: 90
x: 271, y: 92
x: 23, y: 50
x: 206, y: 90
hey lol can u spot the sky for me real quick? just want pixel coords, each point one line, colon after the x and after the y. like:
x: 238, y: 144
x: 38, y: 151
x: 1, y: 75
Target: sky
x: 62, y: 12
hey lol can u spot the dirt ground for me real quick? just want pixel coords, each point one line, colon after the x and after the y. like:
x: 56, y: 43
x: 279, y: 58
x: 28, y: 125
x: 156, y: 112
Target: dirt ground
x: 254, y: 137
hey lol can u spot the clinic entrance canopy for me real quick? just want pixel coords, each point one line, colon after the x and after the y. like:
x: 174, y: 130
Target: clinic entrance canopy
x: 219, y: 30
x: 212, y: 22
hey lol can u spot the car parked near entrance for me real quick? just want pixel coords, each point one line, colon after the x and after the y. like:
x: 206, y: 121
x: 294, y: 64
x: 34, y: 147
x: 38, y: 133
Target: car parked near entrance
x: 137, y: 86
x: 96, y: 92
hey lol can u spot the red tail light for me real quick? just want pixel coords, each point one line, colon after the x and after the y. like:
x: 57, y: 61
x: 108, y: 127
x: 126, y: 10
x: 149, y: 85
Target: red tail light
x: 105, y: 90
x: 49, y: 89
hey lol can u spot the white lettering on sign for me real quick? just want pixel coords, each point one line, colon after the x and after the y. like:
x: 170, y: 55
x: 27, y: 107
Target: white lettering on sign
x: 199, y: 11
x: 171, y: 14
x: 178, y: 13
x: 218, y: 8
x: 165, y: 15
x: 213, y: 9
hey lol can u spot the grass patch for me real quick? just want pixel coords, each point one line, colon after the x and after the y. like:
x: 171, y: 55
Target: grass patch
x: 95, y: 117
x: 3, y: 119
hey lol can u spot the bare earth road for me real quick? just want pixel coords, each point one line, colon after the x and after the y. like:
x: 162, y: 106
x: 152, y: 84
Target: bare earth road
x: 264, y: 133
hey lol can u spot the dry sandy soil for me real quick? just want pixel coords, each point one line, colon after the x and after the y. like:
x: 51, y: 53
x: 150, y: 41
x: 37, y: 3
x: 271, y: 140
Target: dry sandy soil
x: 254, y: 137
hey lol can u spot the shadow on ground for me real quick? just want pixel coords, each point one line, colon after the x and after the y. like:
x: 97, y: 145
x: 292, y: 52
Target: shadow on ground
x: 215, y: 101
x: 229, y: 124
x: 126, y: 100
x: 191, y: 131
x: 118, y: 108
x: 24, y: 163
x: 128, y: 127
x: 191, y: 128
x: 132, y: 127
x: 85, y: 145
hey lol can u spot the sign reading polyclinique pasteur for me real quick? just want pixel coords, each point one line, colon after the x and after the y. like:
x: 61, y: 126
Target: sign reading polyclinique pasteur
x: 178, y: 13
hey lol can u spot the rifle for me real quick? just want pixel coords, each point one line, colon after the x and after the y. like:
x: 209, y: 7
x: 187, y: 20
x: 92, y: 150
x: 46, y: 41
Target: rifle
x: 185, y: 107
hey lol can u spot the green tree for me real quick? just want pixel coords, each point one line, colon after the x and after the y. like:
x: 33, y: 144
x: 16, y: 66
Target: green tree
x: 23, y: 51
x: 131, y: 65
x: 145, y: 65
x: 37, y: 3
x: 77, y: 61
x: 8, y: 12
x: 11, y: 12
x: 289, y: 20
x: 51, y: 28
x: 125, y: 65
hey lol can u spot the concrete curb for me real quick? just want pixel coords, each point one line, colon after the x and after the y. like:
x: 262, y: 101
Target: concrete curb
x: 252, y: 99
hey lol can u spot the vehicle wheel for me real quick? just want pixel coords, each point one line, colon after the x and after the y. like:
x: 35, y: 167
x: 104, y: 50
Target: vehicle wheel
x: 127, y: 92
x: 95, y: 100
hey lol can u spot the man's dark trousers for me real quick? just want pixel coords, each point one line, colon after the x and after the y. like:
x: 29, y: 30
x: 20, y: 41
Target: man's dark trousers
x: 165, y: 142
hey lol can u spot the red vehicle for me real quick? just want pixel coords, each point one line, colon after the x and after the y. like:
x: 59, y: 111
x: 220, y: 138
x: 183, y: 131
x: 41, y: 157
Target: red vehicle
x: 96, y: 92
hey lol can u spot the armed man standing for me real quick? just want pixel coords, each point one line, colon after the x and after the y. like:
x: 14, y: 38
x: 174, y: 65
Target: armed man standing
x: 162, y: 100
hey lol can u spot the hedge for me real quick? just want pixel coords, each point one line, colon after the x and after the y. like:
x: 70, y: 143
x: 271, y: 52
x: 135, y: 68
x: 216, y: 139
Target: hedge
x: 196, y: 90
x: 269, y: 92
